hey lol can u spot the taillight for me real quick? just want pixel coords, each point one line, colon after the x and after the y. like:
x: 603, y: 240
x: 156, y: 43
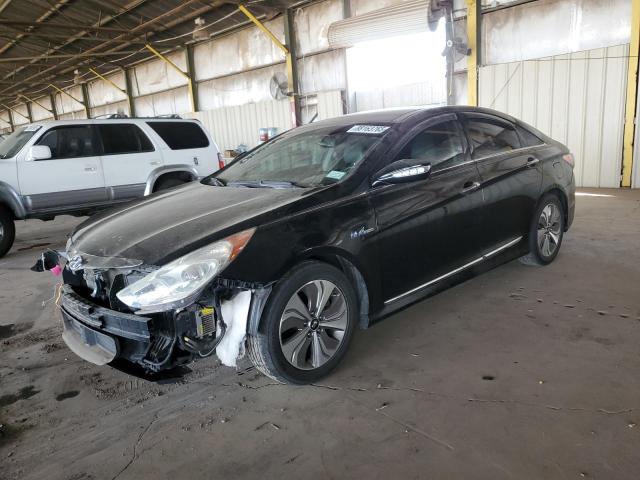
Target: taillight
x: 220, y: 161
x: 569, y: 159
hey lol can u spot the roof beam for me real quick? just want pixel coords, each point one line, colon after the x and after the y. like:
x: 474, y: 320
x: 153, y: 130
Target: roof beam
x: 140, y: 31
x: 130, y: 6
x: 84, y: 39
x: 63, y: 26
x: 4, y: 4
x: 66, y: 56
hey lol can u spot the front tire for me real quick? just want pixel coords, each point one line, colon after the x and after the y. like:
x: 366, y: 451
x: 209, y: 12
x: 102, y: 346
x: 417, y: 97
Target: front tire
x: 546, y: 232
x: 306, y: 326
x: 7, y: 231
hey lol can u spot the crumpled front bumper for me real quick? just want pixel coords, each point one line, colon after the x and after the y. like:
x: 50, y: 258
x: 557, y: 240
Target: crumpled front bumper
x: 98, y: 334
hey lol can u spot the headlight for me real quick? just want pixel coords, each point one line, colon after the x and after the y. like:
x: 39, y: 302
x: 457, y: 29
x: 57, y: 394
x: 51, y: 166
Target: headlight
x: 179, y: 283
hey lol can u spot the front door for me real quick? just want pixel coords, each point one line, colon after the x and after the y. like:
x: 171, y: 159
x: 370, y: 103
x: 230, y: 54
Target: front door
x: 428, y: 228
x: 71, y: 179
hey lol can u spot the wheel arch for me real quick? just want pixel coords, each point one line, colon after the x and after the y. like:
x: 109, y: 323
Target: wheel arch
x: 564, y: 199
x: 335, y: 257
x: 169, y: 171
x: 12, y: 201
x: 342, y: 261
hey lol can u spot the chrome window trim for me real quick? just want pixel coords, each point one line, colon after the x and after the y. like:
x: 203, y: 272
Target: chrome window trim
x: 516, y: 150
x: 457, y: 270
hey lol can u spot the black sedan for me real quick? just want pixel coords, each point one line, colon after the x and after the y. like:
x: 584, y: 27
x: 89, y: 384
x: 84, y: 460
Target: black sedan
x: 332, y: 226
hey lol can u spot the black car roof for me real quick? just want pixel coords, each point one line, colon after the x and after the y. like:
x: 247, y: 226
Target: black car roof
x: 399, y: 115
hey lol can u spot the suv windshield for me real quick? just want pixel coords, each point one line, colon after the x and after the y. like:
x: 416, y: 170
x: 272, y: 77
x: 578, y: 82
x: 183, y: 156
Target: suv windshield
x: 303, y: 157
x: 14, y: 142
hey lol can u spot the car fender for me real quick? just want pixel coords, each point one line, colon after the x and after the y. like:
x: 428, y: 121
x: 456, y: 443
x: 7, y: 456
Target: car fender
x: 158, y: 172
x: 12, y: 199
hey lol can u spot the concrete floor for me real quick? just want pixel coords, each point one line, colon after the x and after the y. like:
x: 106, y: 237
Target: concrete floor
x: 523, y: 373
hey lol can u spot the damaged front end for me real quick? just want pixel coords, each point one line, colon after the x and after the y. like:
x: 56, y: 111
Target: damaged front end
x: 114, y: 308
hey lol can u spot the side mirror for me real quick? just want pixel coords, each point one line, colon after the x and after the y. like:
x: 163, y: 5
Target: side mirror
x: 38, y: 152
x: 402, y: 171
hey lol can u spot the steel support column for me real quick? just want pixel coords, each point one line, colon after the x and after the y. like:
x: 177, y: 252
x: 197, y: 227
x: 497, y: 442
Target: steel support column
x: 85, y: 99
x: 192, y: 99
x: 29, y: 111
x: 129, y: 84
x: 630, y: 123
x: 10, y: 121
x: 37, y: 103
x: 289, y: 59
x: 54, y: 109
x: 346, y: 8
x: 11, y: 112
x: 474, y: 25
x: 293, y: 80
x: 59, y: 90
x: 191, y: 71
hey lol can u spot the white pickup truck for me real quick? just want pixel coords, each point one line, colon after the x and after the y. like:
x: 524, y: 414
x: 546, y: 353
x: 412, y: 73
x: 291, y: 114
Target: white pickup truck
x: 77, y: 167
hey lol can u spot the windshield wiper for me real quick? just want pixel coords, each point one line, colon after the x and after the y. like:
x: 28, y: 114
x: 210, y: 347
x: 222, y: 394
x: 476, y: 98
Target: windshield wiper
x: 264, y: 184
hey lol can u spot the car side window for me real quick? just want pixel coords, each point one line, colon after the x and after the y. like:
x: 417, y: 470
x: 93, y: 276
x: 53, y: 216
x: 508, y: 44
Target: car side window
x: 180, y: 135
x: 123, y: 138
x: 69, y: 142
x: 440, y: 145
x: 490, y: 137
x: 528, y: 138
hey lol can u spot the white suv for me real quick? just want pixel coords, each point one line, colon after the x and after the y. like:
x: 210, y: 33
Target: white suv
x: 76, y: 167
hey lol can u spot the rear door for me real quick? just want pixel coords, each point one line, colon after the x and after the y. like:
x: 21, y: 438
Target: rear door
x: 428, y: 228
x: 72, y: 178
x: 128, y: 158
x: 511, y: 177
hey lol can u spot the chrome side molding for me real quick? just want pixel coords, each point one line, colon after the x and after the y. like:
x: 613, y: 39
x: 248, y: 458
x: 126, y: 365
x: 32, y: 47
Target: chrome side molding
x: 457, y: 270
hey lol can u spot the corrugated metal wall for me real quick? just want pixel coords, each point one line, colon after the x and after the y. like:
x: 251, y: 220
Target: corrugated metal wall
x: 330, y: 104
x: 233, y: 126
x: 424, y: 93
x: 240, y: 125
x: 577, y: 98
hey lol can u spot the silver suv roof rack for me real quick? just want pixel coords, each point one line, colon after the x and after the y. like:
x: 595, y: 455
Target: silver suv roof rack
x: 122, y: 115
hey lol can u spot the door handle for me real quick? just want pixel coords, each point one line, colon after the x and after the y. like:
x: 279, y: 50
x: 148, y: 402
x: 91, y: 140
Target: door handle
x: 89, y: 168
x: 470, y: 187
x: 532, y: 161
x: 155, y: 163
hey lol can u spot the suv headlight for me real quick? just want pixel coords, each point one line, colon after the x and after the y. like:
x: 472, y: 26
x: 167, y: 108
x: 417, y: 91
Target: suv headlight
x: 179, y: 283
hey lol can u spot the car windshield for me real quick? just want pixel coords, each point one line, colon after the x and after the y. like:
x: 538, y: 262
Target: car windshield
x: 305, y: 157
x: 14, y: 142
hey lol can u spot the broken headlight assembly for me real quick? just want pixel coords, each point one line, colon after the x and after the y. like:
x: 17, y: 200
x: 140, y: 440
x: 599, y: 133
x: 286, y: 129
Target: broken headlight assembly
x: 179, y: 283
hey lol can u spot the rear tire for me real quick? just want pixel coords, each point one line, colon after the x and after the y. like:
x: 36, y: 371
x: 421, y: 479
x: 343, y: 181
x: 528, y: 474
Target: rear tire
x: 306, y: 326
x: 7, y: 231
x: 546, y: 232
x: 168, y: 183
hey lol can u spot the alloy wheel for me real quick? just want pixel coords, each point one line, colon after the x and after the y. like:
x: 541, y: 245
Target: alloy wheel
x: 549, y: 229
x: 313, y: 324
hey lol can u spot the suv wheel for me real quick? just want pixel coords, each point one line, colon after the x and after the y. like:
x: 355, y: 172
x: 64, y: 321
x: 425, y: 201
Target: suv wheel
x: 7, y: 231
x: 546, y: 232
x: 306, y: 326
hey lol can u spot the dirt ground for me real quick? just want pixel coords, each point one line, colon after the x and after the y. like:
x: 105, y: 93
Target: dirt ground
x: 523, y: 373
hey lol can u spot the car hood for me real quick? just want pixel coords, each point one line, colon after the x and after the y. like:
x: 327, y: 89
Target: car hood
x: 167, y: 225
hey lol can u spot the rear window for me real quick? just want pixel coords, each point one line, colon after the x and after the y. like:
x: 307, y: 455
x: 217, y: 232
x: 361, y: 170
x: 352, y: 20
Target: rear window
x: 123, y: 138
x: 180, y: 135
x: 490, y: 137
x: 528, y: 138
